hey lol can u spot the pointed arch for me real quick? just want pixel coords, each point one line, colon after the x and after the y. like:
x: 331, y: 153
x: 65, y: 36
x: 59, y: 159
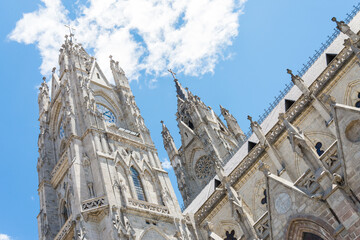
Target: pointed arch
x: 153, y: 233
x: 151, y: 188
x: 138, y: 184
x: 302, y: 225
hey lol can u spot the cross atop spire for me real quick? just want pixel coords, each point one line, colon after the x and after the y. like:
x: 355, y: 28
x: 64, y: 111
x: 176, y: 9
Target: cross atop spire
x: 71, y: 29
x: 172, y: 73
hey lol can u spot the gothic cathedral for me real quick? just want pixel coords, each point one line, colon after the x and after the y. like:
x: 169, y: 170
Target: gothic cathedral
x: 294, y: 176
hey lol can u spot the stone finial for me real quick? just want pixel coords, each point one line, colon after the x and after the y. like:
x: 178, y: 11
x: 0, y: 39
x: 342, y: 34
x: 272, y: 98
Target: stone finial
x: 290, y: 72
x: 344, y: 28
x: 53, y: 70
x: 299, y: 83
x: 44, y: 79
x: 111, y: 58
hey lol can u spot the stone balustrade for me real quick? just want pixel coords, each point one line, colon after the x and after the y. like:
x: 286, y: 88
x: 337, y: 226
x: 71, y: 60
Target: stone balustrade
x: 66, y: 229
x: 59, y: 170
x: 95, y: 208
x: 149, y: 207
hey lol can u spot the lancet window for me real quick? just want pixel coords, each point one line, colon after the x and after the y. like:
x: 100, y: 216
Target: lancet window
x: 137, y: 184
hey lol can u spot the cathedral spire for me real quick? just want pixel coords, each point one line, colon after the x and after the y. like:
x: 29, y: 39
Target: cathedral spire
x: 233, y: 125
x: 181, y: 92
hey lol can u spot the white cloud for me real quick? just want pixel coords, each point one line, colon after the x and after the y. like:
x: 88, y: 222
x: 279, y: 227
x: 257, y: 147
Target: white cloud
x: 143, y: 35
x: 4, y: 237
x: 165, y: 164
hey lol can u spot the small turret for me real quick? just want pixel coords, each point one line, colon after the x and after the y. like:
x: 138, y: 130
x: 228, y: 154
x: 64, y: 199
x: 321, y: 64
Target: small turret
x: 119, y: 74
x: 43, y: 98
x: 169, y: 144
x: 233, y: 125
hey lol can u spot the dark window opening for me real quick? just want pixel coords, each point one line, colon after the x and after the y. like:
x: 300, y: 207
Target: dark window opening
x: 311, y: 236
x: 318, y: 148
x: 221, y: 128
x: 98, y: 75
x: 357, y: 104
x: 191, y: 125
x: 264, y: 200
x: 330, y: 57
x: 65, y: 213
x: 288, y: 104
x: 217, y: 183
x: 251, y: 145
x: 147, y: 222
x: 230, y: 235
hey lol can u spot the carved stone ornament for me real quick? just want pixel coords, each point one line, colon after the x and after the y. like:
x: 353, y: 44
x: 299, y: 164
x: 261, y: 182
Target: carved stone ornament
x: 204, y: 167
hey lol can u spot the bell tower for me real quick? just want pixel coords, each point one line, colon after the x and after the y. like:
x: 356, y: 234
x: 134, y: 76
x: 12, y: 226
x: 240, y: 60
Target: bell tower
x: 205, y: 139
x: 99, y: 173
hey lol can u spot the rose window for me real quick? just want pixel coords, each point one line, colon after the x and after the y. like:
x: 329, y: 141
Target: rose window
x: 204, y: 167
x: 107, y: 113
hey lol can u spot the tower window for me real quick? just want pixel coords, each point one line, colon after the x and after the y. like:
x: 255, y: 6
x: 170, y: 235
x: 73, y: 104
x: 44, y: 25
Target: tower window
x: 191, y: 125
x: 98, y: 75
x: 288, y: 104
x: 137, y: 183
x: 330, y: 57
x: 318, y: 146
x: 64, y: 213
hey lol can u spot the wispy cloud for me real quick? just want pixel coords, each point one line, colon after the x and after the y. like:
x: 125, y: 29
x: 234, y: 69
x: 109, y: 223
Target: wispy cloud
x: 4, y: 237
x: 143, y: 35
x: 166, y: 164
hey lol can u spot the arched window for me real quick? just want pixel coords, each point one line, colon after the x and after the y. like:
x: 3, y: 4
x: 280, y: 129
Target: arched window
x: 137, y: 183
x: 64, y: 213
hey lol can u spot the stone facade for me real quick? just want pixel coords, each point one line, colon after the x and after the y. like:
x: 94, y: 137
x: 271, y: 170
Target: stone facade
x: 99, y: 173
x: 297, y: 175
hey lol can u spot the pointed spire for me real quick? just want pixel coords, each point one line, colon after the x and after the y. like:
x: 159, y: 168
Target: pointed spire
x: 181, y: 92
x: 233, y: 125
x: 43, y: 98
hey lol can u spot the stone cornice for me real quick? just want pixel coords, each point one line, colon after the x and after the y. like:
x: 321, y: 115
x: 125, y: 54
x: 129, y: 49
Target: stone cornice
x: 296, y: 109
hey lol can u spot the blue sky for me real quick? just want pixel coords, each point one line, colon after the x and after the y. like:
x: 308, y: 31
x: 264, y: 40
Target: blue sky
x: 243, y: 77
